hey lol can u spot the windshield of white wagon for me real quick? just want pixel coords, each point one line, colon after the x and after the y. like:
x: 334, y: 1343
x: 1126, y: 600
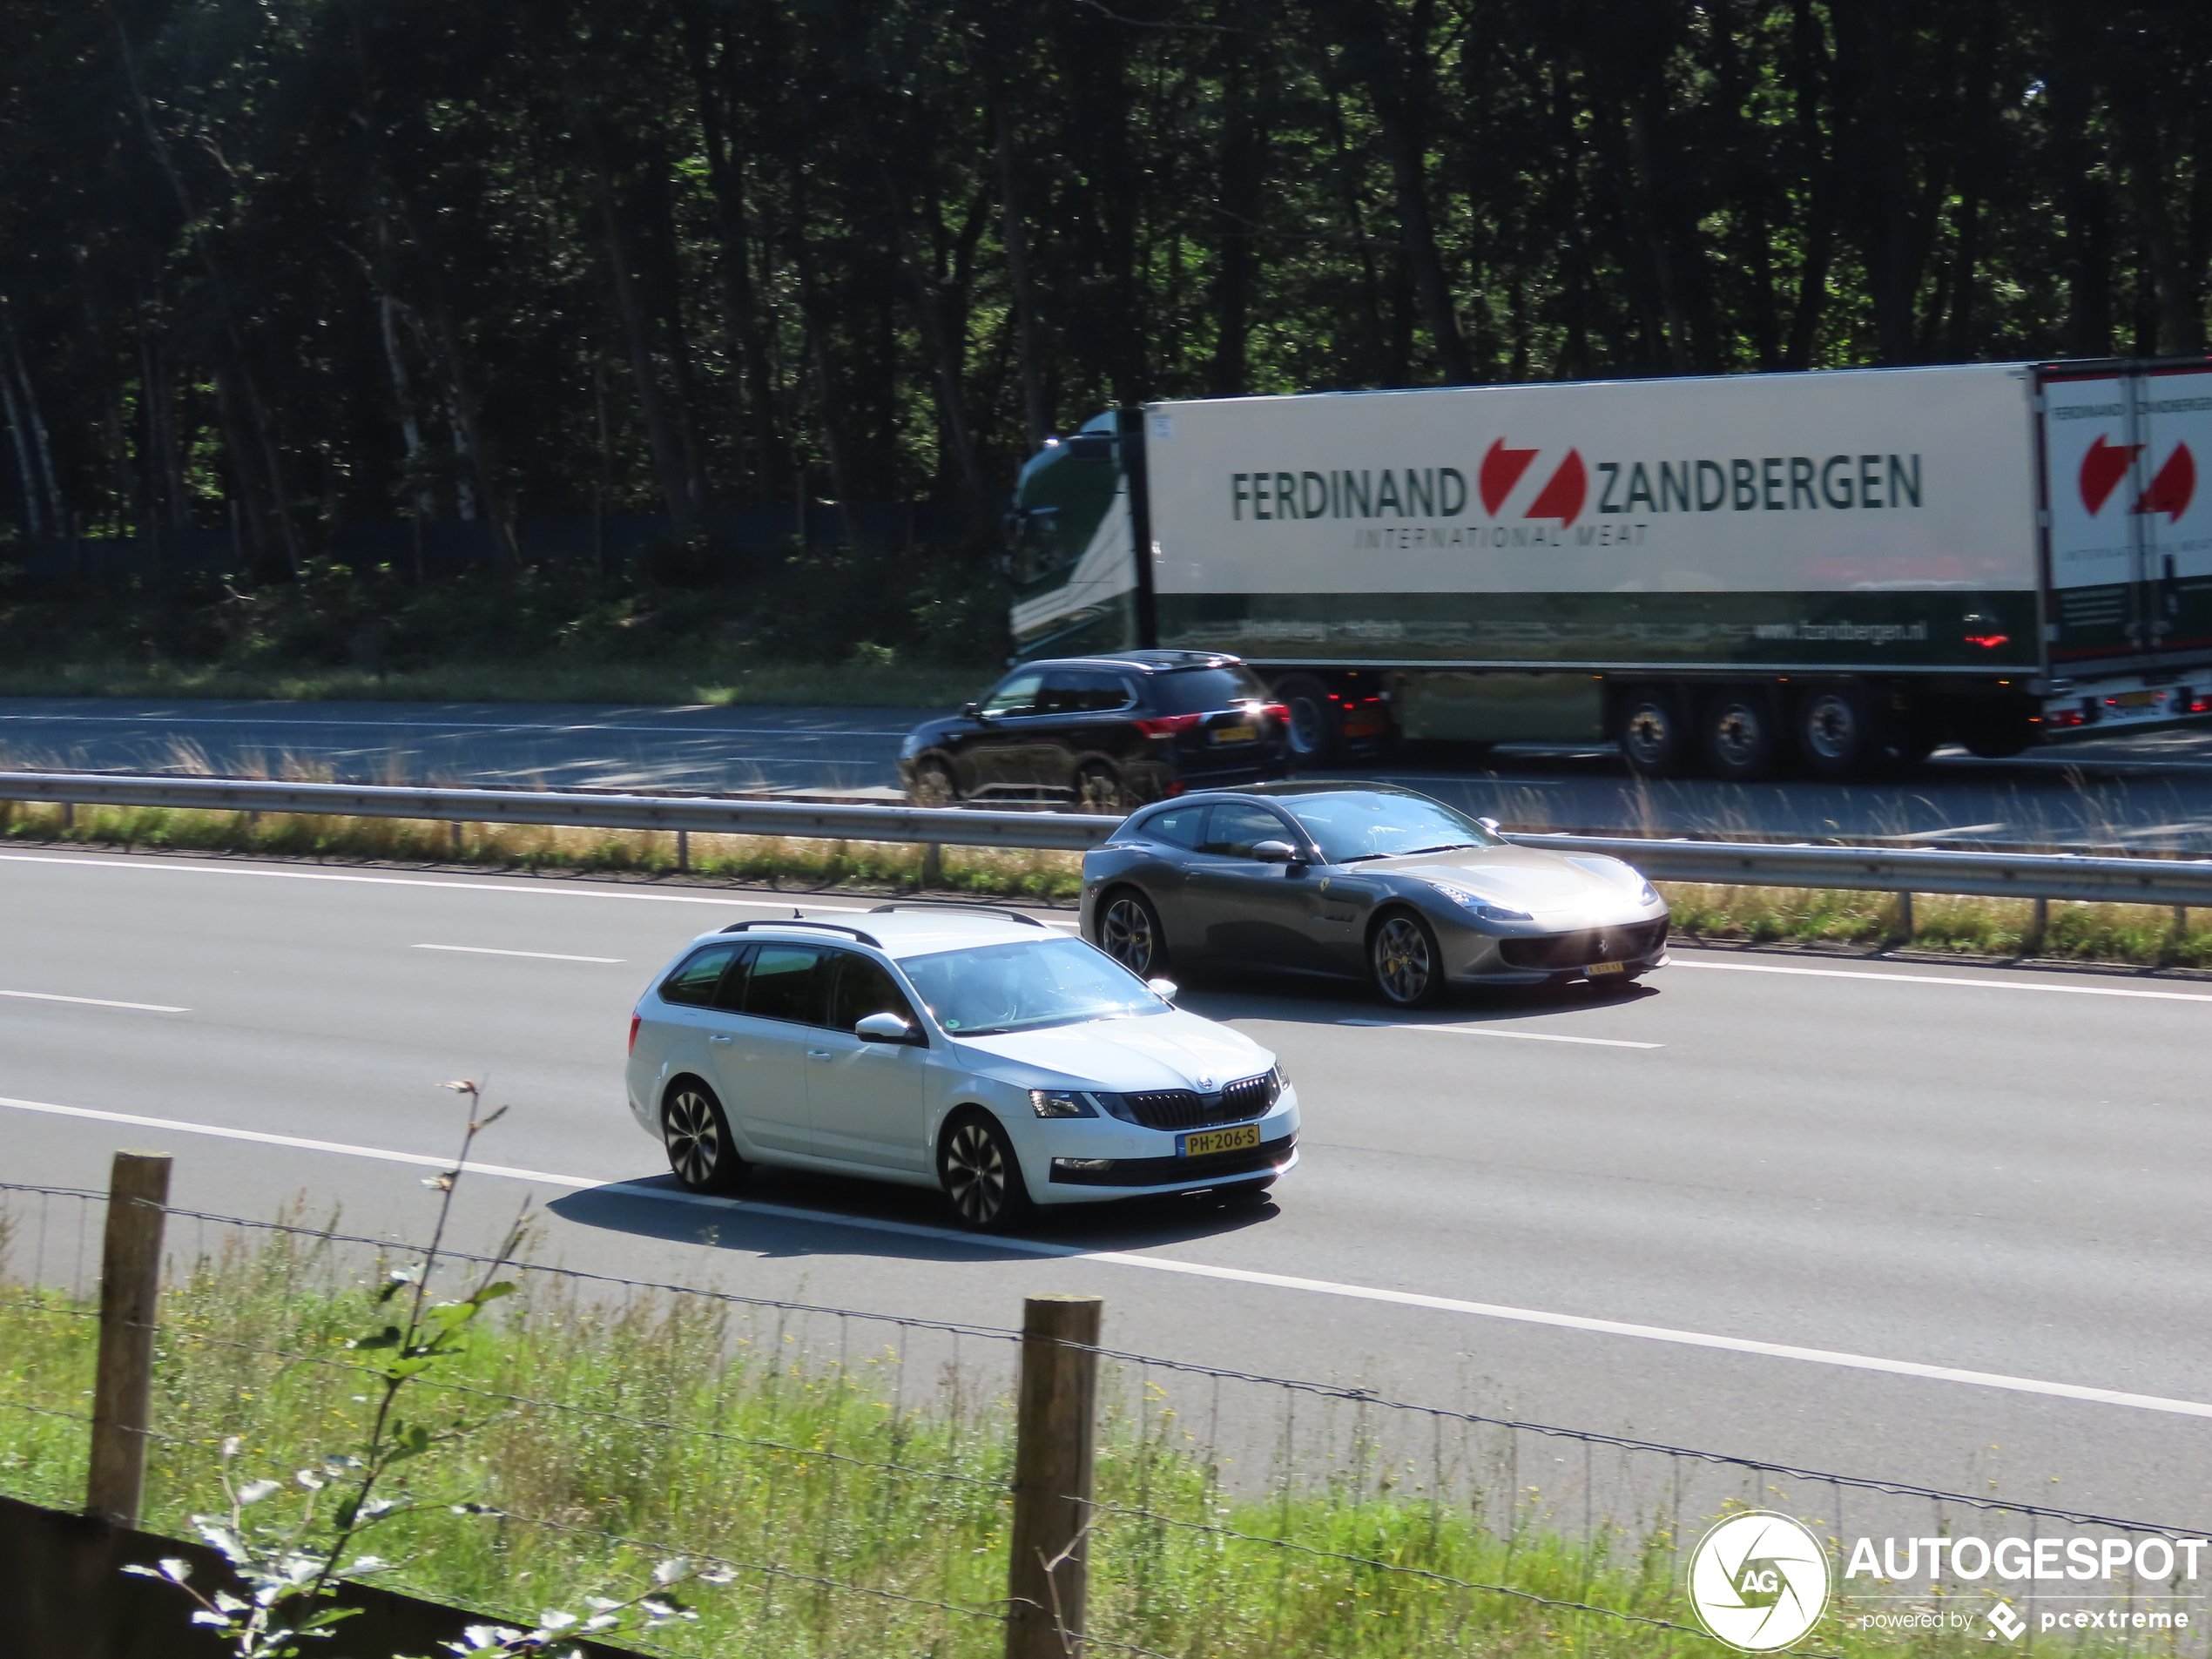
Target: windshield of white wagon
x: 1017, y: 986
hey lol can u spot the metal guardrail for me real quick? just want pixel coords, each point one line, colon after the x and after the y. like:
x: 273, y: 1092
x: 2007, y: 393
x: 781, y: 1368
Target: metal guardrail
x: 2004, y: 875
x: 700, y: 815
x: 1866, y: 869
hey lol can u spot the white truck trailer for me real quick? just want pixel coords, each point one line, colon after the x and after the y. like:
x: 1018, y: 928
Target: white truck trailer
x: 1751, y: 574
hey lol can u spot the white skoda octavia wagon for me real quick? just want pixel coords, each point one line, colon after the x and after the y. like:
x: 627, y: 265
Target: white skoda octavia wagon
x: 979, y: 1052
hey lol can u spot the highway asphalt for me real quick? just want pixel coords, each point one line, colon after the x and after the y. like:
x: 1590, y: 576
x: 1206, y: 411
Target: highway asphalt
x: 2151, y: 791
x: 1770, y: 1206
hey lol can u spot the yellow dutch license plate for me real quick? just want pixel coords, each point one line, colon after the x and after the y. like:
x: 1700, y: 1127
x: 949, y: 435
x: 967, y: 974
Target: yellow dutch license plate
x: 1362, y: 728
x: 1596, y: 968
x: 2136, y: 699
x: 1235, y: 733
x: 1205, y: 1142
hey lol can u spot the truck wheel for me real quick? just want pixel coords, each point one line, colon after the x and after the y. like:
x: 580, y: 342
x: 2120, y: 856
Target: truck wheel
x: 1835, y: 732
x: 1651, y: 736
x: 1316, y: 725
x: 1741, y: 736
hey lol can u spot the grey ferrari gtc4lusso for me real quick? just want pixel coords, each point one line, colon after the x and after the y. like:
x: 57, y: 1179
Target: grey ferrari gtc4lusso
x: 1366, y: 879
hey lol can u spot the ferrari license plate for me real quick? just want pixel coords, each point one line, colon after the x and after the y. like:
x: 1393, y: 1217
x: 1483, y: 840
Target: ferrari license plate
x: 1235, y: 733
x: 1596, y: 968
x: 1206, y: 1142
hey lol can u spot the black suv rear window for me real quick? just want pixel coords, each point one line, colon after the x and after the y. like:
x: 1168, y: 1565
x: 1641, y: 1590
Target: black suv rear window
x: 1204, y: 691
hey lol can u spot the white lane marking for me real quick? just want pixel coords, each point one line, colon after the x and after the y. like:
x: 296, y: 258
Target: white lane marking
x: 1493, y: 1031
x: 539, y: 888
x: 96, y: 1002
x: 1945, y: 979
x: 540, y: 955
x: 451, y: 725
x: 1195, y: 1270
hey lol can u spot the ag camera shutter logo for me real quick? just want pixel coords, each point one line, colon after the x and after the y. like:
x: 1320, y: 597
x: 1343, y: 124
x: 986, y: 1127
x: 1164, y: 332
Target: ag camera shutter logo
x: 1759, y: 1580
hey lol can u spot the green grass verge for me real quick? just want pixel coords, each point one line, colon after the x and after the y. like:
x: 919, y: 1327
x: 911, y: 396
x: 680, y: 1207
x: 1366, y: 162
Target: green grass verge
x: 793, y: 864
x: 2134, y: 935
x: 862, y: 683
x: 862, y: 1517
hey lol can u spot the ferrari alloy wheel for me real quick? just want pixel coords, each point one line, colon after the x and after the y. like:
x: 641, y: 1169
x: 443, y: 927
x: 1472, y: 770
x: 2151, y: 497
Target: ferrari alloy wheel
x: 697, y: 1138
x: 1404, y: 957
x: 981, y: 1176
x: 1128, y: 931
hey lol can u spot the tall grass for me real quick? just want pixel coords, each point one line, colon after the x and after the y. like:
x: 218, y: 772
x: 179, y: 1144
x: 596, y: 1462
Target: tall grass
x: 597, y: 1436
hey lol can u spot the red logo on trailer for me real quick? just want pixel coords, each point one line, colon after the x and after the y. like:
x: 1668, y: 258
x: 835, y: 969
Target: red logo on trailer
x: 2103, y: 465
x: 1561, y: 497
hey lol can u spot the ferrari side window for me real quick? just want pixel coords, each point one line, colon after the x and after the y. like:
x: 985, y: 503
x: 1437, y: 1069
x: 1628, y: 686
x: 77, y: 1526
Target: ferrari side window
x: 1236, y: 827
x: 1177, y: 827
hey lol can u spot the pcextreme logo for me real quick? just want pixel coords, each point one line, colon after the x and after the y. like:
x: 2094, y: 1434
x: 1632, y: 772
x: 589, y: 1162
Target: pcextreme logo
x: 2103, y: 465
x: 1759, y: 1580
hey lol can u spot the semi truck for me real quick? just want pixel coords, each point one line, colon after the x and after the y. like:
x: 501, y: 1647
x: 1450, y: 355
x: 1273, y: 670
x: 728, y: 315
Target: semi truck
x: 1748, y: 575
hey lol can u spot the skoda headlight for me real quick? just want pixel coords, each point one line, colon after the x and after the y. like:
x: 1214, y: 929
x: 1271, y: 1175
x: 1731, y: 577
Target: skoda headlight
x: 1061, y: 1103
x: 1481, y: 909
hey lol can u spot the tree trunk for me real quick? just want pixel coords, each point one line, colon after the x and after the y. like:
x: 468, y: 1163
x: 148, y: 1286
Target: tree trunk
x: 1013, y: 233
x: 668, y: 465
x: 1396, y: 75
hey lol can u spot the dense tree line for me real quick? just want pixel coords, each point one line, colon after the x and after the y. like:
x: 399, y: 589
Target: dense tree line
x: 310, y: 262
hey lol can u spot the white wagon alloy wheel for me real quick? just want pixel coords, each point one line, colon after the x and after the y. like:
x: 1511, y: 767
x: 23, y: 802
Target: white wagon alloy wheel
x: 980, y: 1174
x: 1130, y: 933
x: 1403, y: 955
x: 697, y: 1138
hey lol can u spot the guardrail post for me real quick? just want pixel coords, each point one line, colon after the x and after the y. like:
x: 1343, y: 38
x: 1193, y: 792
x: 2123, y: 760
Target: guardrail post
x: 683, y: 852
x: 454, y: 835
x: 2039, y: 928
x: 137, y: 1197
x: 1048, y: 1576
x: 932, y: 867
x: 1904, y: 919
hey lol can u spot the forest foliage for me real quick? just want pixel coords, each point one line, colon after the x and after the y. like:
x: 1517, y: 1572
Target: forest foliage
x: 295, y: 264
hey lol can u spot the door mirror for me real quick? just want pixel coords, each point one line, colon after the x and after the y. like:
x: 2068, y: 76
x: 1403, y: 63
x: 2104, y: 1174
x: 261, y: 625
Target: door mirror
x: 1162, y: 989
x: 971, y: 711
x: 1490, y: 824
x: 1275, y: 852
x: 884, y: 1027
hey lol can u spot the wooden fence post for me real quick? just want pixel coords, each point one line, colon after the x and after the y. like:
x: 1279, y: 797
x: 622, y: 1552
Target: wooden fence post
x: 1056, y: 1420
x: 137, y: 1197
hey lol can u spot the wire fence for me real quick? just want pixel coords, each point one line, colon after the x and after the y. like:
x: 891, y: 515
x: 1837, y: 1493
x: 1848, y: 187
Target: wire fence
x: 851, y: 1474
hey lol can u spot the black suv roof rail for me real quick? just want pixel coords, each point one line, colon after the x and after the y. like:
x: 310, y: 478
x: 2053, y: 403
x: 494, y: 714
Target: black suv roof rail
x: 802, y: 921
x: 955, y: 904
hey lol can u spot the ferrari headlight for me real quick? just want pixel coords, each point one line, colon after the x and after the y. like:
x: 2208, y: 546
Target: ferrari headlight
x: 1061, y: 1103
x: 1481, y: 908
x: 1646, y: 894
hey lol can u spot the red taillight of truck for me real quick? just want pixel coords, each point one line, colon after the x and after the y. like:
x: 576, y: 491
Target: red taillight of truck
x: 634, y: 1022
x: 1166, y: 725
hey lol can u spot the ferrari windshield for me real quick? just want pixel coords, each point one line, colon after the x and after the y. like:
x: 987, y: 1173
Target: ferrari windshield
x: 1354, y: 824
x: 1016, y: 987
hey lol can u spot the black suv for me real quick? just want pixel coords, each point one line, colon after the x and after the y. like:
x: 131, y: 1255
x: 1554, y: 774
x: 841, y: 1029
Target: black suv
x: 1105, y: 732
